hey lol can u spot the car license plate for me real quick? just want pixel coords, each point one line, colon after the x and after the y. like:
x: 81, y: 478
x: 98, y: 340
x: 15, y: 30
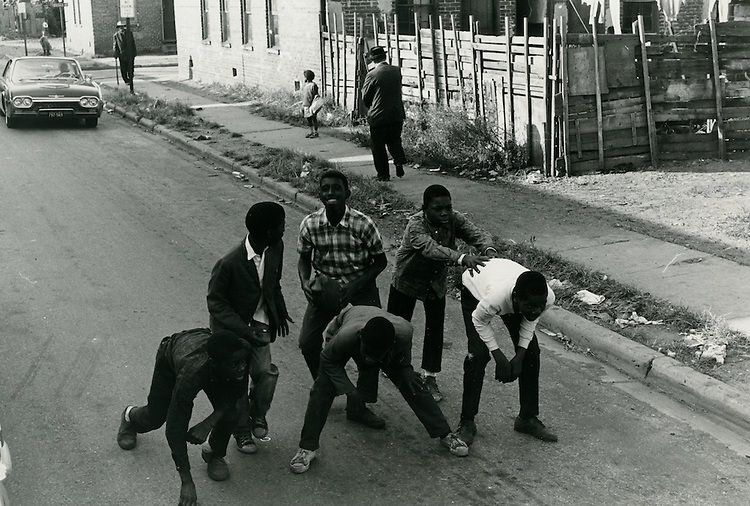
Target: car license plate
x: 56, y: 114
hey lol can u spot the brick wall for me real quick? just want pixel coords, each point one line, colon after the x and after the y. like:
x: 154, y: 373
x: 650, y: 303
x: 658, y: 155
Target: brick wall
x: 254, y: 63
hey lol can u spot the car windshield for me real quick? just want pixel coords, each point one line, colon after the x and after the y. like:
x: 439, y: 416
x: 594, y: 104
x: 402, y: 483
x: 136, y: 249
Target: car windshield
x: 47, y: 69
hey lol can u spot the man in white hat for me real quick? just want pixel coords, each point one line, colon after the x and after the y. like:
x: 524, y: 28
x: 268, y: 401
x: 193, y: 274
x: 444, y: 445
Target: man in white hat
x: 123, y: 45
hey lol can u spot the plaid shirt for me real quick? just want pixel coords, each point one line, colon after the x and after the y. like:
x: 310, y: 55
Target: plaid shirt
x: 340, y: 251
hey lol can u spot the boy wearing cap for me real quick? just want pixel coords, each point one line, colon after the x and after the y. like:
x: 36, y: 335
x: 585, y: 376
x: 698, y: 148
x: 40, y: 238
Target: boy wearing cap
x: 123, y: 45
x: 372, y: 338
x: 244, y: 297
x: 381, y: 94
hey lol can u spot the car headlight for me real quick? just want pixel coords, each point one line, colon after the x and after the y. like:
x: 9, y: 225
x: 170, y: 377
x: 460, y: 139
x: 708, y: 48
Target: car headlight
x: 89, y: 102
x: 22, y: 102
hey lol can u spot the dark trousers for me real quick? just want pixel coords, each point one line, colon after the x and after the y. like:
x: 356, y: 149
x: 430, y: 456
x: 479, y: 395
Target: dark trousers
x: 478, y: 356
x: 402, y: 305
x: 386, y: 135
x: 154, y: 413
x: 127, y: 64
x: 311, y: 344
x: 323, y: 392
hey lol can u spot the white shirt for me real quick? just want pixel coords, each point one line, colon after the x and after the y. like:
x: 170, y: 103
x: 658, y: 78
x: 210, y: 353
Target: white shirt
x: 493, y: 288
x: 260, y: 314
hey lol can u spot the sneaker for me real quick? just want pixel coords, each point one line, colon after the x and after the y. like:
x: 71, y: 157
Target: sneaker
x: 366, y: 417
x: 301, y: 461
x: 245, y: 443
x: 218, y: 470
x: 400, y: 170
x: 430, y: 383
x: 534, y: 427
x: 309, y: 134
x: 127, y: 437
x: 314, y: 135
x: 455, y: 445
x: 260, y: 426
x: 467, y: 429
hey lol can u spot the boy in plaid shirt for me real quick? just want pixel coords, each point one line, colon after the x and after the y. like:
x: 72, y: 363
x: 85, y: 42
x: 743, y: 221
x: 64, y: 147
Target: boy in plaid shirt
x: 341, y: 246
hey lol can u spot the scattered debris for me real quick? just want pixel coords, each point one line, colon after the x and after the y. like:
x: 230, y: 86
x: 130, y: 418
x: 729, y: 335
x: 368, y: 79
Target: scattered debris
x: 239, y: 175
x: 202, y: 137
x: 589, y: 298
x: 534, y: 177
x: 635, y: 319
x: 706, y: 347
x: 249, y: 186
x: 556, y: 284
x: 305, y: 169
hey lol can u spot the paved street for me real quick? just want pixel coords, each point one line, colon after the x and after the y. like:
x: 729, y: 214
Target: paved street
x: 107, y: 239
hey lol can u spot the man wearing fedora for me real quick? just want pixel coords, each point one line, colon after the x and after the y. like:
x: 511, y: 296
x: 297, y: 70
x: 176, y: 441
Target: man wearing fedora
x: 381, y: 94
x: 123, y: 45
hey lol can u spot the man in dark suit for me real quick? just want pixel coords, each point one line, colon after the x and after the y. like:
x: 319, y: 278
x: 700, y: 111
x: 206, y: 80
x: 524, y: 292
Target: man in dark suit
x: 244, y: 297
x: 123, y: 44
x: 381, y: 94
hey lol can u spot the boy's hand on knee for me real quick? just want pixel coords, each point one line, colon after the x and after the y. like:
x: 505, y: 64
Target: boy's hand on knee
x: 516, y: 363
x: 198, y: 433
x: 503, y: 370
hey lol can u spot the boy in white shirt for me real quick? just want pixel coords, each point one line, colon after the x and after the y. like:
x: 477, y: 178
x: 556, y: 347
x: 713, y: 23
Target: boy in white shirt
x: 519, y: 296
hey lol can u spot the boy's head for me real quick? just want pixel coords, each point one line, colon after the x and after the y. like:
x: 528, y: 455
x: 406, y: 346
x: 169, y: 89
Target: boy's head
x: 309, y: 75
x: 377, y: 338
x: 228, y: 354
x: 530, y: 294
x: 265, y: 222
x: 333, y: 189
x: 437, y: 204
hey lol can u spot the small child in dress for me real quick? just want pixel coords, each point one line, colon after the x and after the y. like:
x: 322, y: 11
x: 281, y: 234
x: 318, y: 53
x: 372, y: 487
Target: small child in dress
x: 309, y: 92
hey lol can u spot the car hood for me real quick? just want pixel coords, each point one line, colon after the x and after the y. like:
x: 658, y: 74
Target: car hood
x: 60, y: 88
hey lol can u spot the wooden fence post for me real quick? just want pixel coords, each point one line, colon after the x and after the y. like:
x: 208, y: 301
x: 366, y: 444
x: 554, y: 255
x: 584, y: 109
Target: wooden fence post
x: 418, y: 42
x: 333, y: 67
x: 598, y: 87
x: 474, y: 79
x: 355, y: 99
x: 653, y: 148
x: 343, y: 63
x: 717, y: 90
x: 527, y: 76
x: 545, y: 99
x: 459, y: 67
x: 553, y: 102
x: 338, y: 61
x: 387, y: 36
x: 446, y: 90
x: 322, y: 53
x: 435, y: 67
x: 398, y: 40
x: 375, y: 30
x: 509, y: 75
x: 565, y: 144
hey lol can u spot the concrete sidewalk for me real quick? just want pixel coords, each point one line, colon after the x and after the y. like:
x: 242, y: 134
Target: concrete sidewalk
x: 631, y: 258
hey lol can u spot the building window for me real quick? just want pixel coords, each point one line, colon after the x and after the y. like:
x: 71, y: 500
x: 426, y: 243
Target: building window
x: 75, y: 17
x: 631, y: 9
x: 224, y: 19
x: 272, y: 23
x: 245, y: 18
x: 80, y: 20
x: 204, y: 19
x: 406, y: 9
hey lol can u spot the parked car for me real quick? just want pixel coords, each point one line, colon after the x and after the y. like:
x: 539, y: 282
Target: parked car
x: 41, y: 87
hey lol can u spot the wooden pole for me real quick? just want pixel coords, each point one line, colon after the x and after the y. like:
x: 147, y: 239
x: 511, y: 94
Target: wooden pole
x: 343, y: 62
x: 480, y: 70
x: 333, y: 67
x: 338, y: 61
x: 510, y: 112
x: 433, y: 48
x: 398, y: 40
x: 653, y: 147
x: 565, y: 144
x: 446, y: 90
x: 598, y: 87
x: 375, y: 30
x: 418, y: 42
x: 355, y: 98
x: 717, y: 91
x: 505, y: 109
x: 545, y: 101
x: 472, y: 34
x: 322, y: 53
x: 553, y: 105
x: 527, y: 75
x: 387, y: 36
x: 459, y: 68
x: 497, y: 104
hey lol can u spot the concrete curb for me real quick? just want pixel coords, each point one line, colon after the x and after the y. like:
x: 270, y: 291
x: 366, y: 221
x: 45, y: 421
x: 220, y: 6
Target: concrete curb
x: 683, y: 383
x: 112, y: 67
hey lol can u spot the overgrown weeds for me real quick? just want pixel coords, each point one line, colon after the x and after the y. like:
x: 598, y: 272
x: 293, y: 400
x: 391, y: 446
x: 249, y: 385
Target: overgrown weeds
x: 172, y: 113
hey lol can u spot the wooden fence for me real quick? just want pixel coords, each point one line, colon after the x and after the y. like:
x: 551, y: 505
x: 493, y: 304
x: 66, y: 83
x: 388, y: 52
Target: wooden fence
x: 657, y: 98
x: 499, y: 78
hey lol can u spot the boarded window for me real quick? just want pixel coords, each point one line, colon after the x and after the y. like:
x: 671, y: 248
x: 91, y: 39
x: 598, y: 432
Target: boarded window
x: 272, y: 23
x: 204, y: 19
x: 245, y: 20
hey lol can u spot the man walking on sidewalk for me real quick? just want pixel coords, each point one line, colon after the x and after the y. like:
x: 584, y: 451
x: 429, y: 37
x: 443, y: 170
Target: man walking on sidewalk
x: 372, y: 338
x: 519, y: 296
x: 244, y: 297
x: 123, y: 45
x: 340, y: 256
x: 186, y: 363
x: 381, y: 94
x: 427, y: 248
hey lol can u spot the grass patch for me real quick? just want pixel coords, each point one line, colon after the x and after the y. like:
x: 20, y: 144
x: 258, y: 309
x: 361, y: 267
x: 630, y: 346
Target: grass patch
x: 171, y: 113
x: 739, y: 225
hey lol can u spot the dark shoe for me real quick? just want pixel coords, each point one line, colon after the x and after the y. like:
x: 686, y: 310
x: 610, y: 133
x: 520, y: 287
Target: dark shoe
x: 218, y: 470
x: 309, y: 134
x: 314, y: 135
x: 260, y: 427
x: 455, y: 445
x: 127, y: 437
x: 533, y: 427
x: 430, y: 383
x: 467, y: 429
x: 245, y: 443
x: 368, y: 418
x: 383, y: 178
x: 400, y: 170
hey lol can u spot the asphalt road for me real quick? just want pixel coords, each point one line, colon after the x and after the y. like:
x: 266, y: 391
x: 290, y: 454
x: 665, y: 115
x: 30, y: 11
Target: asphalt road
x: 107, y: 239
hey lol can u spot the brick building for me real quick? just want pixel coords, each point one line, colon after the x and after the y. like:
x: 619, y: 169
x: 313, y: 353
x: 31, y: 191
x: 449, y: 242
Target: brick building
x: 90, y: 24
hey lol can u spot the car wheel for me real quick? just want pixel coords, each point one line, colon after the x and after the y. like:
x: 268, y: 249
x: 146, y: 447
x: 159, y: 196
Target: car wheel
x: 92, y: 122
x: 9, y: 121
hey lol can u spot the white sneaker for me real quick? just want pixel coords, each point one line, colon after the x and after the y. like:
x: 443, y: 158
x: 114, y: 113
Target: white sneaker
x: 301, y: 461
x: 455, y: 445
